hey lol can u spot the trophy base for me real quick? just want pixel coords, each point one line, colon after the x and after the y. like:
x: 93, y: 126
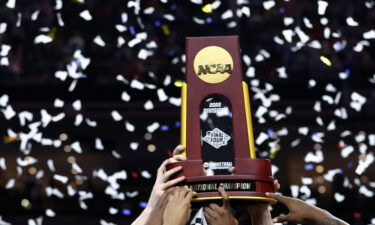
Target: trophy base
x: 252, y: 178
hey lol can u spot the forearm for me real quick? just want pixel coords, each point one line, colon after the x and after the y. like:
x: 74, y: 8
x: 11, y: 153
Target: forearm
x: 143, y: 218
x: 261, y: 216
x: 326, y: 218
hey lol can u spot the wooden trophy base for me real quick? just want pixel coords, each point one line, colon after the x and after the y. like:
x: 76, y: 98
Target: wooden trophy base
x: 251, y: 180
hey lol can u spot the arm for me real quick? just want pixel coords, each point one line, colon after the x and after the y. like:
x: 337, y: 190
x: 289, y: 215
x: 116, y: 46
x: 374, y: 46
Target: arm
x: 178, y: 209
x: 260, y: 214
x: 161, y: 185
x: 216, y: 215
x: 302, y: 212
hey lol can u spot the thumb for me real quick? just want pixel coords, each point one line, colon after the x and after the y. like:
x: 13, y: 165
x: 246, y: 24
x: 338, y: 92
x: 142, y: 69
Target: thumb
x: 280, y: 219
x: 225, y: 196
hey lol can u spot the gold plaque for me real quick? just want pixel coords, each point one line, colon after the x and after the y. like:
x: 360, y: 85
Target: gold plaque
x: 213, y: 64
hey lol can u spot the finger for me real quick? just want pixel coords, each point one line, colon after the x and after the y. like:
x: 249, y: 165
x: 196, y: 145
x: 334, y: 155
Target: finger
x: 280, y: 219
x: 276, y: 185
x: 191, y: 195
x: 209, y: 212
x: 173, y: 182
x: 177, y: 158
x: 170, y: 172
x: 278, y: 197
x: 214, y: 207
x: 225, y: 196
x: 178, y: 150
x: 232, y: 170
x: 161, y: 168
x: 183, y: 192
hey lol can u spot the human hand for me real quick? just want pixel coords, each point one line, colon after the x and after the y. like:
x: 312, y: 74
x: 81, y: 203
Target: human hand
x: 178, y: 209
x: 301, y: 212
x: 162, y: 183
x: 156, y: 215
x: 216, y: 215
x: 177, y: 154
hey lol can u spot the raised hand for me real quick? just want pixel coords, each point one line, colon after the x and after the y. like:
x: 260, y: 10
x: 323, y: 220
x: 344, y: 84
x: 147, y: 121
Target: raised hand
x: 178, y: 209
x: 216, y: 215
x: 301, y: 212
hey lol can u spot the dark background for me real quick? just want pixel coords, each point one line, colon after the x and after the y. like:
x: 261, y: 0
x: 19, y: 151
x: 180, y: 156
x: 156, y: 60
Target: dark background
x: 30, y: 83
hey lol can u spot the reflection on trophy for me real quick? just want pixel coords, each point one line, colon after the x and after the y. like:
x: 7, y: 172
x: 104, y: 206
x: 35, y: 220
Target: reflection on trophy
x: 216, y: 127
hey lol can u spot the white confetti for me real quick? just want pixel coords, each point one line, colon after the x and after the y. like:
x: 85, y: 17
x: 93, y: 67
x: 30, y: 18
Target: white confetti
x: 116, y: 115
x: 306, y: 191
x: 62, y: 179
x: 306, y: 180
x: 113, y: 211
x: 153, y: 127
x: 116, y: 154
x: 27, y: 161
x: 10, y: 184
x: 4, y: 50
x: 294, y: 190
x: 60, y: 20
x: 103, y: 222
x: 4, y: 99
x: 250, y: 72
x: 3, y: 27
x: 77, y: 105
x: 58, y: 103
x: 330, y: 174
x: 341, y: 113
x: 322, y: 6
x: 307, y: 22
x: 302, y: 36
x: 148, y: 105
x: 91, y: 123
x: 42, y: 39
x: 99, y: 144
x: 76, y: 147
x: 366, y: 192
x: 50, y: 213
x: 316, y: 158
x: 367, y: 35
x: 269, y: 4
x: 78, y: 120
x: 120, y: 42
x: 371, y: 138
x: 288, y: 21
x: 198, y: 21
x: 288, y: 35
x: 8, y: 112
x: 146, y: 174
x: 345, y: 152
x: 261, y: 138
x: 144, y: 54
x: 351, y: 22
x: 129, y: 127
x: 2, y: 164
x: 282, y: 72
x: 339, y: 197
x: 132, y: 194
x: 317, y: 106
x: 125, y: 96
x: 363, y: 164
x: 134, y: 146
x: 227, y: 14
x: 86, y: 15
x: 51, y: 165
x: 11, y: 4
x: 161, y: 95
x: 99, y: 41
x: 137, y: 85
